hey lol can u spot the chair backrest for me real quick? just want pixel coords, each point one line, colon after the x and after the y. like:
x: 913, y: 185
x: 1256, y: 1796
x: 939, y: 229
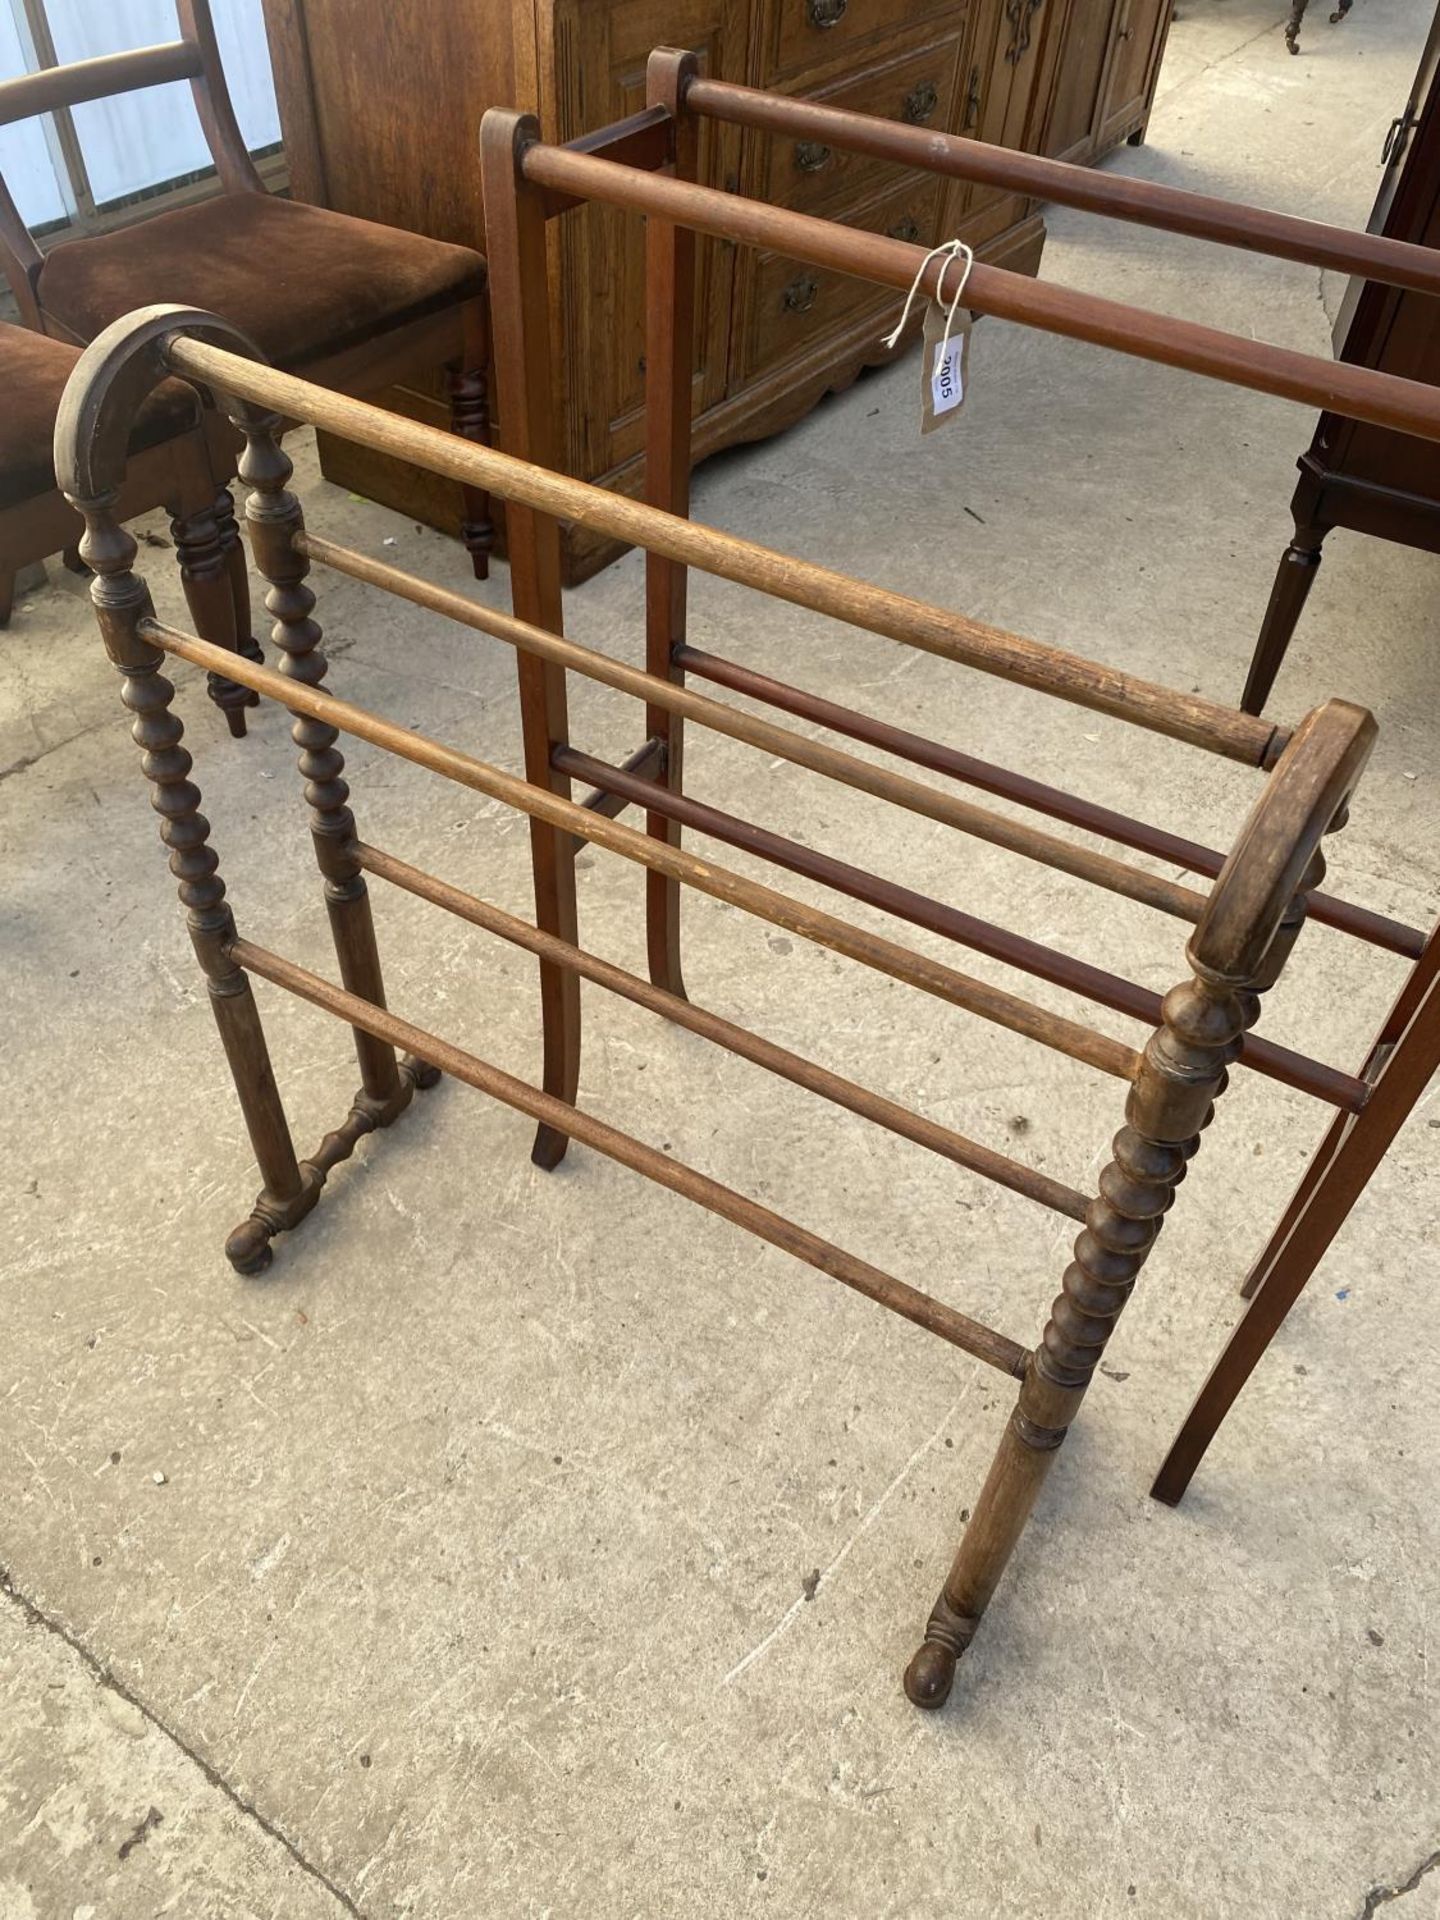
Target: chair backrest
x: 195, y: 57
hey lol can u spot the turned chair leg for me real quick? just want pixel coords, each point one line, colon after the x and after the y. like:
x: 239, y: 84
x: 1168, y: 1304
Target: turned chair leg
x: 207, y: 576
x: 470, y: 418
x: 1292, y: 25
x: 1294, y: 578
x: 8, y: 577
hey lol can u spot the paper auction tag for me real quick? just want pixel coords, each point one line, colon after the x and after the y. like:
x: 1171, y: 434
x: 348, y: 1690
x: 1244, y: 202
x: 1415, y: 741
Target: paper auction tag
x: 945, y: 354
x: 944, y: 365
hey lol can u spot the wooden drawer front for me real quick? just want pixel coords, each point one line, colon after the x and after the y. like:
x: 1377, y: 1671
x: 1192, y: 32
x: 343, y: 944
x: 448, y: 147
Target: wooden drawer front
x: 807, y: 33
x: 918, y: 88
x: 792, y: 305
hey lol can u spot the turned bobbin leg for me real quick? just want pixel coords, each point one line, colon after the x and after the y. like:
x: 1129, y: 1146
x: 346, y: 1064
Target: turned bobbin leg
x: 1254, y: 913
x: 470, y: 418
x: 274, y: 517
x: 1181, y: 1074
x: 122, y: 602
x: 1292, y: 25
x: 205, y: 574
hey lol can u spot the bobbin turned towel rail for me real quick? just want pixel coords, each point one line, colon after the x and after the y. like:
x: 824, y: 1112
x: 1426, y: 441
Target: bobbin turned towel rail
x: 528, y: 183
x: 1243, y: 927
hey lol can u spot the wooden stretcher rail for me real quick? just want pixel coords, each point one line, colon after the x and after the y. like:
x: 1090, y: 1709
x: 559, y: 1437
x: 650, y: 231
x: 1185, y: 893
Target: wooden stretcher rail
x: 647, y: 760
x: 1152, y: 890
x: 1296, y: 1070
x: 1395, y: 263
x: 885, y: 956
x: 895, y: 616
x: 1382, y: 399
x: 738, y: 1040
x: 899, y: 1297
x: 1377, y: 929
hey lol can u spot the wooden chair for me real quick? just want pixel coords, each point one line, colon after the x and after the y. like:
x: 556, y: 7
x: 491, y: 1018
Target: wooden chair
x: 171, y: 464
x: 348, y: 302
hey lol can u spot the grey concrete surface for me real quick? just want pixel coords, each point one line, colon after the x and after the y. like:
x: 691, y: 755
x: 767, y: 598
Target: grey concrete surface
x: 528, y: 1545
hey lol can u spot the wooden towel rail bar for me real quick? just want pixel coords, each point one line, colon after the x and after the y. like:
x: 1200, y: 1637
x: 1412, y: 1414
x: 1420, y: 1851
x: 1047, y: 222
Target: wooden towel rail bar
x: 1383, y: 399
x: 1378, y: 929
x: 1242, y: 925
x: 557, y: 812
x: 1371, y: 256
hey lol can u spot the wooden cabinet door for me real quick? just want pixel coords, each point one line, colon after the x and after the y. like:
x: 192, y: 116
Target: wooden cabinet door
x: 1073, y: 116
x: 1137, y: 38
x: 997, y: 105
x: 599, y: 52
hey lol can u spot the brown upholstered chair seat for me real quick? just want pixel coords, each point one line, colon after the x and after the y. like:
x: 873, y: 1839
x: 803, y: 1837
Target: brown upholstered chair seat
x: 301, y: 281
x: 33, y: 372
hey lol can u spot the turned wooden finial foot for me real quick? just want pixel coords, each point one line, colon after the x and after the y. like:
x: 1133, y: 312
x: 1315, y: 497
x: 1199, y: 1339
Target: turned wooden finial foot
x: 248, y: 1248
x: 930, y: 1676
x: 931, y: 1673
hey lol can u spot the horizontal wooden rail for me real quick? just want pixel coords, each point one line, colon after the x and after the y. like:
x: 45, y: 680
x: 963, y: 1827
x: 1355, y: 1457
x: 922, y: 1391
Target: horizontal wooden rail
x: 735, y: 1039
x: 82, y: 80
x: 1183, y: 716
x: 1296, y: 1070
x: 1377, y: 929
x: 885, y: 956
x: 899, y: 1297
x: 1099, y: 869
x: 1396, y: 263
x: 1358, y: 393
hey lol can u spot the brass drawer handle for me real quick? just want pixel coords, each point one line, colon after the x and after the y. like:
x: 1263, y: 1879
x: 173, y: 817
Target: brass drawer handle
x: 906, y: 229
x: 800, y: 296
x: 920, y: 104
x: 825, y: 13
x: 811, y: 156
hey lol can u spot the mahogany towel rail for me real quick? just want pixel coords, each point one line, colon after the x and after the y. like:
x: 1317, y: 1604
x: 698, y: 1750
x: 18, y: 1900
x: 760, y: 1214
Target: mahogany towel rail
x: 528, y: 183
x: 1242, y: 925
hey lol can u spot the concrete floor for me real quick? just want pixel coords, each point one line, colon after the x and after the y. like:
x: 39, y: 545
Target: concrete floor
x: 529, y: 1545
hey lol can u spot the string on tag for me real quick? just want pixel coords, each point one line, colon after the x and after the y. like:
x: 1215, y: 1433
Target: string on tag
x: 953, y: 250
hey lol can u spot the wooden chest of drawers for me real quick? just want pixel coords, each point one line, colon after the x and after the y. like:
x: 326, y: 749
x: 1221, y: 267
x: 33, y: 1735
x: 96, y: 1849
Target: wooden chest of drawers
x: 380, y: 108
